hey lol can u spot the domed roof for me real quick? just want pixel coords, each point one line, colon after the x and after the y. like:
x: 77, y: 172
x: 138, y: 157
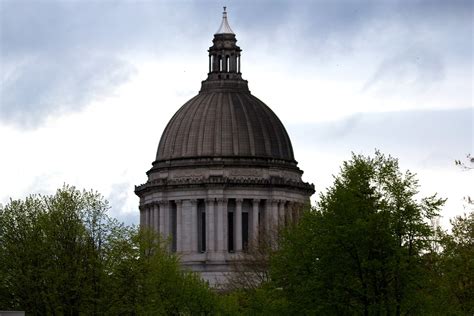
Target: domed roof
x: 225, y: 123
x: 224, y: 119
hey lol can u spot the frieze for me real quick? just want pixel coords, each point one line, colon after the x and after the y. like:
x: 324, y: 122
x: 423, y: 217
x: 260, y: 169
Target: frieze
x: 273, y: 181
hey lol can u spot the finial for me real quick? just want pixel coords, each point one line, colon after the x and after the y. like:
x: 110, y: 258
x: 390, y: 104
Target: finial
x: 224, y: 28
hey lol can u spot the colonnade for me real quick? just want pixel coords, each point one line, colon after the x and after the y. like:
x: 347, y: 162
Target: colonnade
x: 203, y: 225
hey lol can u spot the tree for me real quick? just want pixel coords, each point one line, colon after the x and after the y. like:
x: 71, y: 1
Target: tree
x: 362, y: 249
x: 457, y: 266
x: 50, y: 252
x: 62, y: 254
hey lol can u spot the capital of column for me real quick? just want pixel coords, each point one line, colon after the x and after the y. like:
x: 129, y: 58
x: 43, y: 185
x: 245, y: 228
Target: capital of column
x: 221, y: 200
x: 239, y: 201
x: 193, y: 201
x: 210, y: 200
x: 274, y: 201
x: 163, y: 202
x: 256, y: 202
x: 178, y: 202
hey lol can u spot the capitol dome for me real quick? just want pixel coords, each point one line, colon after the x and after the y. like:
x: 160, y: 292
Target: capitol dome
x: 225, y: 123
x: 225, y: 173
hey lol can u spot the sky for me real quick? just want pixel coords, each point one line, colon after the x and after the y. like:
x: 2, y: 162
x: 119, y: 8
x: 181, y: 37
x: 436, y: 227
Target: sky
x: 87, y: 87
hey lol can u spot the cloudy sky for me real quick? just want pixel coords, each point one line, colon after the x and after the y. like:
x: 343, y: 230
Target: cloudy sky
x: 86, y: 87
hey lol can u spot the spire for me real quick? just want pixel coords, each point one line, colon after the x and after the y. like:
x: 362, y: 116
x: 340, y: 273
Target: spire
x: 225, y: 27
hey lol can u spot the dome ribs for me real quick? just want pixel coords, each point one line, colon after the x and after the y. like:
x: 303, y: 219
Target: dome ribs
x: 244, y: 129
x: 225, y: 123
x: 169, y: 135
x: 249, y: 118
x: 226, y: 127
x: 189, y: 145
x: 202, y: 117
x: 270, y: 124
x: 261, y: 142
x: 235, y: 128
x: 218, y: 127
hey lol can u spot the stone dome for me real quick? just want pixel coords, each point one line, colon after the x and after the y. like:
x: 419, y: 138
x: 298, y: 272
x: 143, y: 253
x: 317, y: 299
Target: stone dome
x: 225, y: 121
x: 224, y: 172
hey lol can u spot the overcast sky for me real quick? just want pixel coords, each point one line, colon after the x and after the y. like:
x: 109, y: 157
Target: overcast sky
x: 87, y: 87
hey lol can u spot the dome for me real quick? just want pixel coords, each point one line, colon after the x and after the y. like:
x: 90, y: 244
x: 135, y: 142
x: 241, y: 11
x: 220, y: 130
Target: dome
x: 224, y: 172
x: 227, y: 122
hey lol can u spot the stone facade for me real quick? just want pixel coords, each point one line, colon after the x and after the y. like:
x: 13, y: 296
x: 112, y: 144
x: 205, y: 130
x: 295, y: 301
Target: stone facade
x: 224, y: 170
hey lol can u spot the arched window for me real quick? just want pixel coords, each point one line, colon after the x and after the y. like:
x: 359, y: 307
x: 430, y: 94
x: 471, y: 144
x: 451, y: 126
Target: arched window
x: 220, y: 63
x: 238, y: 64
x: 211, y: 63
x: 227, y: 63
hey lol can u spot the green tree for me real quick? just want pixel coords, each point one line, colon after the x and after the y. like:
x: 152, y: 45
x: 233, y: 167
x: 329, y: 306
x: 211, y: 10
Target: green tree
x: 147, y: 280
x: 456, y: 272
x: 49, y: 249
x: 62, y: 254
x: 362, y: 249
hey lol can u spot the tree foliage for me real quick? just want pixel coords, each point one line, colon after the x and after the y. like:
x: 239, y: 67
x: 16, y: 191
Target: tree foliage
x: 455, y: 269
x: 62, y: 254
x: 361, y: 251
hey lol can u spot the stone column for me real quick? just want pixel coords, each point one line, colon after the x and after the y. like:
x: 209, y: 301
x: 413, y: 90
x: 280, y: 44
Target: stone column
x: 162, y: 217
x: 268, y: 216
x: 274, y: 214
x: 179, y: 226
x: 281, y: 213
x: 222, y: 225
x: 289, y: 213
x: 148, y: 216
x: 156, y: 217
x: 142, y: 216
x: 210, y: 225
x: 186, y: 226
x: 254, y: 224
x: 166, y: 213
x: 194, y: 223
x: 238, y: 225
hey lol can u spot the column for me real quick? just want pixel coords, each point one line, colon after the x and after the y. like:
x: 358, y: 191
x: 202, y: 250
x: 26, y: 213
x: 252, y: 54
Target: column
x: 238, y: 225
x: 194, y: 223
x: 222, y: 225
x: 268, y: 216
x: 210, y: 223
x: 194, y: 236
x: 289, y: 213
x: 142, y: 216
x: 148, y: 216
x: 162, y: 217
x: 254, y: 224
x: 274, y: 214
x: 165, y: 207
x: 281, y: 213
x: 179, y: 226
x: 186, y: 226
x: 156, y: 217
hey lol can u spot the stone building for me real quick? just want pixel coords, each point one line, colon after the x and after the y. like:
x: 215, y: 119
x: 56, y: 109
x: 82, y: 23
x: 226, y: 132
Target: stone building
x: 224, y: 170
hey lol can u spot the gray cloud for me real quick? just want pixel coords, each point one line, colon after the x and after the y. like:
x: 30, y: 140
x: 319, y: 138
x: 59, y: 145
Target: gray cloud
x: 432, y: 137
x: 39, y: 86
x: 413, y: 69
x: 58, y: 55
